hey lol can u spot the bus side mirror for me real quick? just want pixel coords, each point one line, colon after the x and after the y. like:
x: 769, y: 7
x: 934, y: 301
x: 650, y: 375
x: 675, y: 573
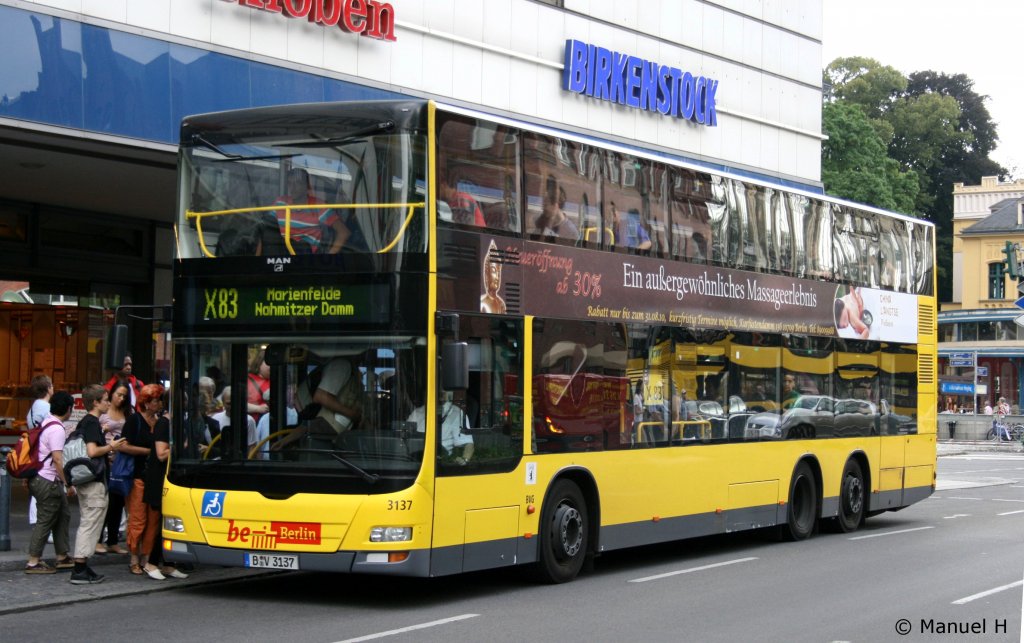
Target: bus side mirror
x: 455, y: 366
x: 116, y: 347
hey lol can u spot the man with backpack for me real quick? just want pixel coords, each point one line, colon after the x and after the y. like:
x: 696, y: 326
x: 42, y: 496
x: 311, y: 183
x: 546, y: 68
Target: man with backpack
x: 48, y: 488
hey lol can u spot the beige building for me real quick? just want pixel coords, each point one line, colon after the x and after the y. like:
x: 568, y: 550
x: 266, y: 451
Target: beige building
x: 981, y: 348
x: 971, y: 205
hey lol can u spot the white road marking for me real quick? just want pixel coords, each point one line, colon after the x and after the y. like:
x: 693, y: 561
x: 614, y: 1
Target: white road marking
x: 960, y: 498
x: 891, y: 533
x: 992, y: 470
x: 989, y: 592
x: 692, y: 569
x: 411, y: 628
x: 948, y: 485
x: 1006, y: 500
x: 1010, y: 513
x: 957, y: 516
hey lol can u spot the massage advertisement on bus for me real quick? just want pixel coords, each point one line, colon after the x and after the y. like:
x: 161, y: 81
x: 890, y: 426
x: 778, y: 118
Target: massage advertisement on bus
x: 545, y: 280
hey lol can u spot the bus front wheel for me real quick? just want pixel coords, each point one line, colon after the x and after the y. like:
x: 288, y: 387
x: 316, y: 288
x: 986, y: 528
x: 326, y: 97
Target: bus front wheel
x: 563, y: 533
x: 851, y: 498
x: 802, y: 509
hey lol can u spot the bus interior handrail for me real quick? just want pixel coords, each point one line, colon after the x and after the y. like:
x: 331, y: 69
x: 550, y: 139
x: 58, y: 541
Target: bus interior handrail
x: 199, y: 216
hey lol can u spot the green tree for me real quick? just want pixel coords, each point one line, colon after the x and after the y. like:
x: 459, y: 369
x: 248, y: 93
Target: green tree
x: 934, y: 127
x: 923, y: 127
x: 855, y: 164
x: 865, y: 82
x: 963, y: 158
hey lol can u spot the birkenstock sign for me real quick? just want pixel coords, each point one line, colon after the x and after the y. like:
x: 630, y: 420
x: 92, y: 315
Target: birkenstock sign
x: 638, y: 83
x: 364, y: 17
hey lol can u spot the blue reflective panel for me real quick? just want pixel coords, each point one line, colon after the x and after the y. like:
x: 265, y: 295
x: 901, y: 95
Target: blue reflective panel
x: 41, y: 78
x: 340, y: 90
x: 277, y: 86
x: 203, y: 81
x: 127, y: 84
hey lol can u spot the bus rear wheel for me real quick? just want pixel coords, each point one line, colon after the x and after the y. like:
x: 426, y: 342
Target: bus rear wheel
x: 563, y: 533
x: 851, y: 498
x: 802, y: 510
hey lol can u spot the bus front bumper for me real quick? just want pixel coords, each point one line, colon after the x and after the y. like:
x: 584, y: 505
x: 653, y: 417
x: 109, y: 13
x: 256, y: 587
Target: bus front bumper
x: 416, y: 564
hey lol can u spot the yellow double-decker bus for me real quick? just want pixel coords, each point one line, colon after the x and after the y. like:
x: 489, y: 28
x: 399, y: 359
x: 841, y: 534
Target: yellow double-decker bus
x: 456, y: 342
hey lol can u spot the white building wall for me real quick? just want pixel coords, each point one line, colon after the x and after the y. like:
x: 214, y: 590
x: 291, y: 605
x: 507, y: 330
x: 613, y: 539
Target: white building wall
x: 506, y: 56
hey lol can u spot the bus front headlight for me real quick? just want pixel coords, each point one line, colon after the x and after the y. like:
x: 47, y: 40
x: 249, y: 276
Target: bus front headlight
x: 390, y: 534
x: 173, y: 523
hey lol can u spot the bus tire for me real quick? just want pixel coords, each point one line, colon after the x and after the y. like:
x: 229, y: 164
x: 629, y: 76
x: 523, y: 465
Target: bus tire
x: 851, y: 498
x: 802, y: 508
x: 563, y: 534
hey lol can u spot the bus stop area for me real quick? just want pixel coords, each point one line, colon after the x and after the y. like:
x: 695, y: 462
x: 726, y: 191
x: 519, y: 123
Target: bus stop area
x: 969, y: 427
x: 20, y: 591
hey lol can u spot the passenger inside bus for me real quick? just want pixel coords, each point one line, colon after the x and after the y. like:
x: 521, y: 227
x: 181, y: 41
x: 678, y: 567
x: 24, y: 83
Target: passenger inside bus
x: 457, y: 206
x: 309, y: 226
x: 454, y: 428
x: 553, y: 221
x: 223, y: 420
x: 627, y: 229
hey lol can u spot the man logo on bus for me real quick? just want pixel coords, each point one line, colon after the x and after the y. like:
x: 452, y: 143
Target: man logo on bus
x: 213, y: 505
x: 491, y: 301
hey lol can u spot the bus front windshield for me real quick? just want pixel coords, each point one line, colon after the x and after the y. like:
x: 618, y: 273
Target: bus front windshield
x: 321, y: 415
x: 262, y: 188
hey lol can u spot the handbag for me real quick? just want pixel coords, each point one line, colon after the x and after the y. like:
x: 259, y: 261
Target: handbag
x: 79, y: 468
x: 122, y: 472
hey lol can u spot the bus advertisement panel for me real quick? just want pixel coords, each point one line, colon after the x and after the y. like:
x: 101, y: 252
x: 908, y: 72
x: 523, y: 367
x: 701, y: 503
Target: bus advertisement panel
x: 556, y: 281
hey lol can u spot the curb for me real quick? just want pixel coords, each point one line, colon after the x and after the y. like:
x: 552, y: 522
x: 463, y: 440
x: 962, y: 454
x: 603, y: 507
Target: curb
x: 117, y: 588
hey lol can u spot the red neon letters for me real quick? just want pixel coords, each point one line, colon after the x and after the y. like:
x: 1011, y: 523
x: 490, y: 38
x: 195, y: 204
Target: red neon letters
x: 365, y: 17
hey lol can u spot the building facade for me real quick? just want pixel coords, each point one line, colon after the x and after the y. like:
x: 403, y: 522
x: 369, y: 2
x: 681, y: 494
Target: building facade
x: 92, y: 93
x: 981, y: 347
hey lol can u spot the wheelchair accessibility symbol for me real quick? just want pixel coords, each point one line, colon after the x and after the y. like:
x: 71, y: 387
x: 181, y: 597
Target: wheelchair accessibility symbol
x: 213, y: 504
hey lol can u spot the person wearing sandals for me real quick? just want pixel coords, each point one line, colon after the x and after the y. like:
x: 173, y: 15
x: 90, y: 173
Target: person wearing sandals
x: 48, y: 489
x: 112, y: 423
x: 152, y: 495
x: 143, y: 519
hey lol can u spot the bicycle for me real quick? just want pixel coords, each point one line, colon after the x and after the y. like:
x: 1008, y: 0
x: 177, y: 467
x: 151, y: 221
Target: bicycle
x: 1017, y: 432
x: 1001, y: 432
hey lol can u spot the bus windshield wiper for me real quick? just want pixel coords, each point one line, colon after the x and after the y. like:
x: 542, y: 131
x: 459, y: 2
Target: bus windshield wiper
x: 370, y: 130
x: 230, y: 157
x: 364, y: 474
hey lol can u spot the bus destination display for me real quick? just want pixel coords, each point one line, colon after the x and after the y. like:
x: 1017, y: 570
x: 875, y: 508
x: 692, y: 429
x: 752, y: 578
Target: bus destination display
x: 275, y: 305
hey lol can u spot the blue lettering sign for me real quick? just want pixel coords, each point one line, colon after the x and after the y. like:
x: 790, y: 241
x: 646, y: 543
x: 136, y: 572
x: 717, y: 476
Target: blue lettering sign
x: 638, y: 83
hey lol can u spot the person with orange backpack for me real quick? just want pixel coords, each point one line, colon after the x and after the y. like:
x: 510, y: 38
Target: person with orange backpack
x: 50, y: 490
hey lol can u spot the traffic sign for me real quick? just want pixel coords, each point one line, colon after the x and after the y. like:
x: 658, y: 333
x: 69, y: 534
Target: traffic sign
x: 963, y: 363
x: 983, y: 371
x: 1019, y: 320
x: 1020, y: 302
x: 969, y: 356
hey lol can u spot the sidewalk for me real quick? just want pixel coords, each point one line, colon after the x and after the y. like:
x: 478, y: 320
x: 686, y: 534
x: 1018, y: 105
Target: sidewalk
x: 24, y: 592
x: 954, y: 447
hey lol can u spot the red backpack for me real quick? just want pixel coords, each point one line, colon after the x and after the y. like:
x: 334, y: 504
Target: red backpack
x: 23, y: 460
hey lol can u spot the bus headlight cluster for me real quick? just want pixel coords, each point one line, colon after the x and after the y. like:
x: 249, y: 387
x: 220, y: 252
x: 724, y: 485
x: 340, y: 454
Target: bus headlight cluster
x: 172, y: 523
x: 390, y: 534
